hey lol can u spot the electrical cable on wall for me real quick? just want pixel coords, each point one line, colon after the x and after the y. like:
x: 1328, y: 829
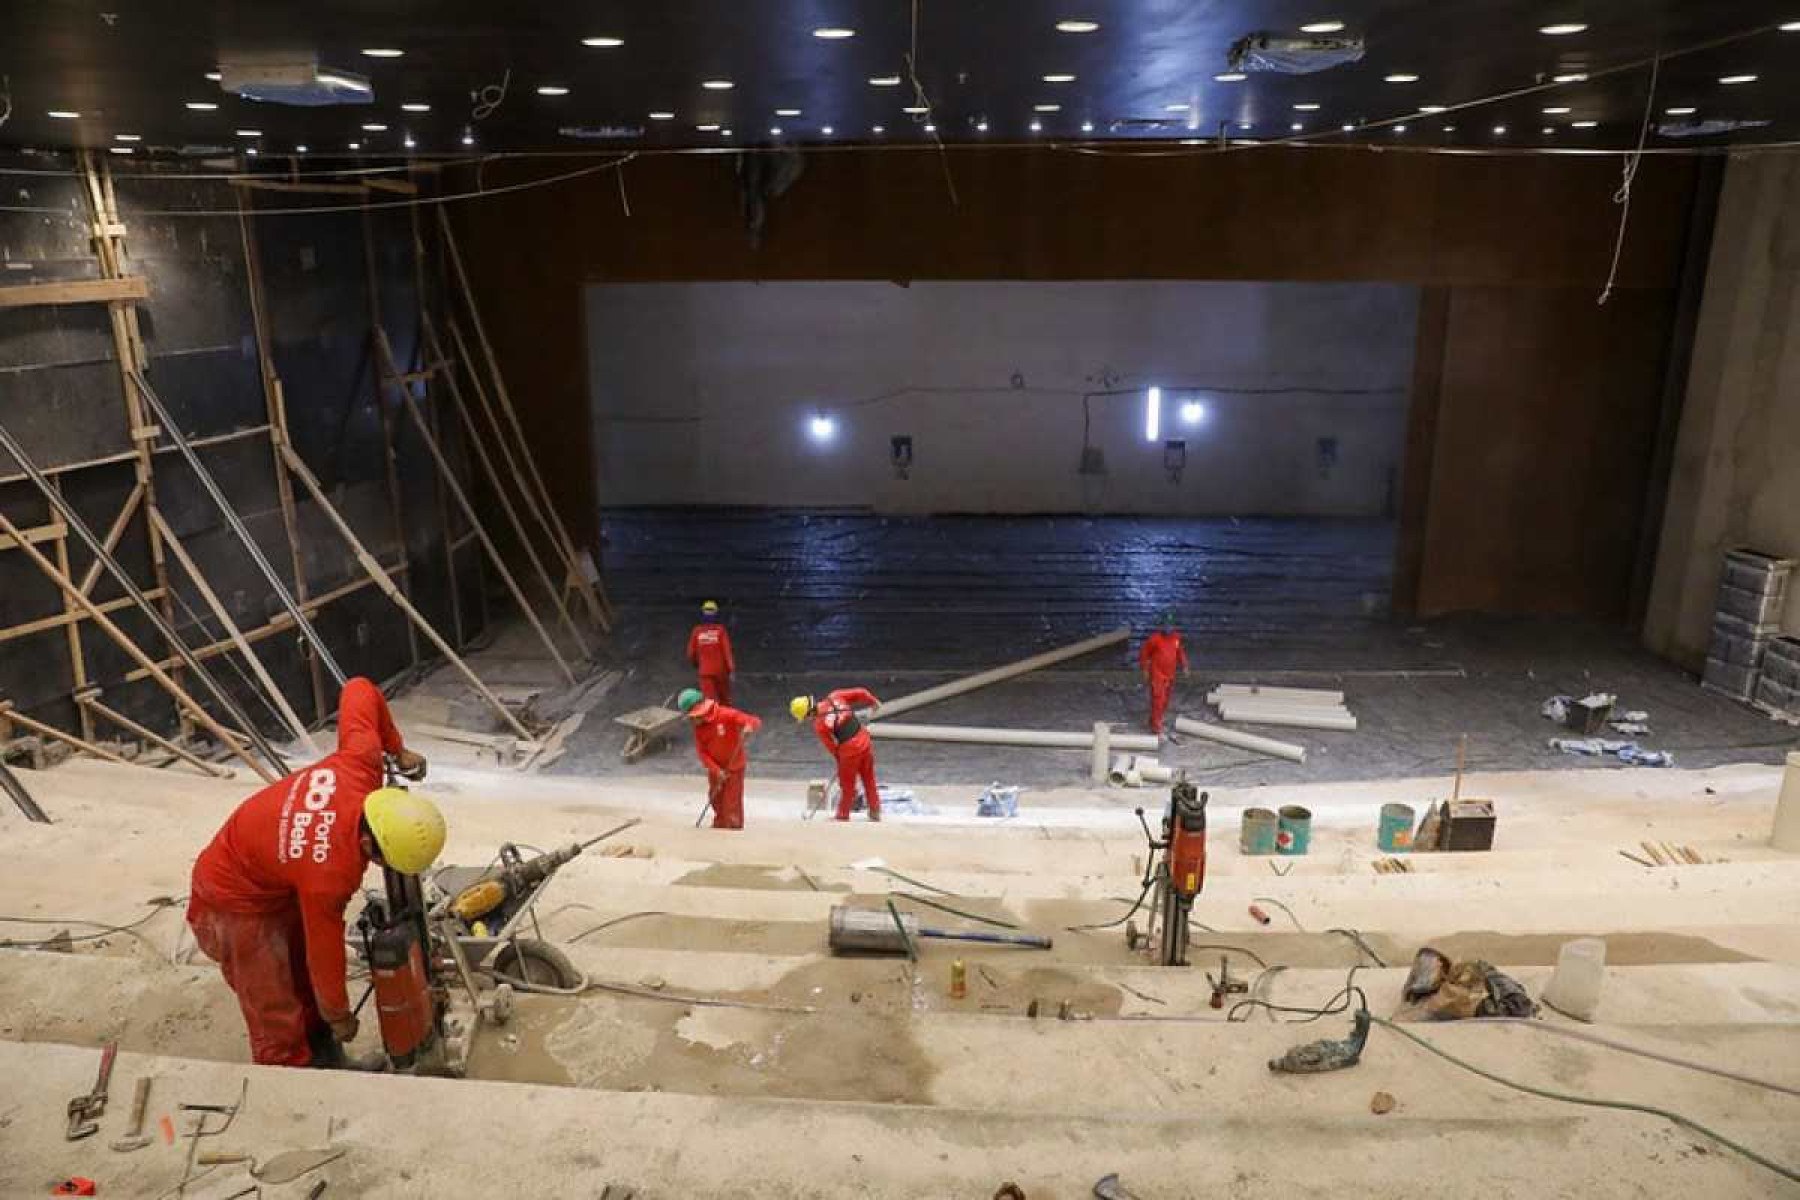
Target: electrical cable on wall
x: 489, y: 98
x: 1622, y: 197
x: 921, y: 100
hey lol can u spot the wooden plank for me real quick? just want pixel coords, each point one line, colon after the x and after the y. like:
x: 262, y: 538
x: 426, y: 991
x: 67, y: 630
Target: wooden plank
x: 56, y: 531
x: 111, y: 541
x: 64, y: 618
x: 75, y: 291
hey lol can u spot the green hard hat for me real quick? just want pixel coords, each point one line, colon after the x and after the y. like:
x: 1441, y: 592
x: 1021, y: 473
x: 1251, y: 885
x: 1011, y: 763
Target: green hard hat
x: 1168, y: 620
x: 688, y: 698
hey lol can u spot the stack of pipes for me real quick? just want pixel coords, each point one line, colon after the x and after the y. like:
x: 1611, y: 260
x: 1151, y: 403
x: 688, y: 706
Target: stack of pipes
x: 1302, y: 708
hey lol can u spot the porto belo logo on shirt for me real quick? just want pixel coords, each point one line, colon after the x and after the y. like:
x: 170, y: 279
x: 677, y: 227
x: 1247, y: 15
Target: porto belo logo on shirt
x: 315, y: 818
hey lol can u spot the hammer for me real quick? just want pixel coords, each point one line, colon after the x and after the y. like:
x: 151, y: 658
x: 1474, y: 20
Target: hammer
x: 134, y: 1138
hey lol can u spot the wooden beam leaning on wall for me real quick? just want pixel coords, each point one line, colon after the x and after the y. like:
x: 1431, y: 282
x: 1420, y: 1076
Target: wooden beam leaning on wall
x: 8, y: 712
x: 89, y: 698
x: 597, y: 604
x: 392, y: 590
x: 131, y: 648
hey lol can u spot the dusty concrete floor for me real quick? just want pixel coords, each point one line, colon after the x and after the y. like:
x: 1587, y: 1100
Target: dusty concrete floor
x: 864, y: 1077
x: 898, y: 605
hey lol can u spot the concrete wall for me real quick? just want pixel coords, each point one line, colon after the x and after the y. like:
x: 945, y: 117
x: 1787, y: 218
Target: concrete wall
x: 703, y: 393
x: 1736, y: 478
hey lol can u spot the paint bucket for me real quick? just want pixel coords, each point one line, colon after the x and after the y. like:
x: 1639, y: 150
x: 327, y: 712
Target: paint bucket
x: 1394, y: 834
x: 1256, y: 831
x: 1294, y: 830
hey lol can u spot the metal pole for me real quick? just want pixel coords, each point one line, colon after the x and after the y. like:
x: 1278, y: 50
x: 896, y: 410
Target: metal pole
x: 73, y: 520
x: 237, y: 526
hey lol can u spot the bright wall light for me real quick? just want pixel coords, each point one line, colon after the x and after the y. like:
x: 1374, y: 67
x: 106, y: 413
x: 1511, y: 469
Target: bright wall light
x: 1153, y: 414
x: 1192, y: 412
x: 822, y: 427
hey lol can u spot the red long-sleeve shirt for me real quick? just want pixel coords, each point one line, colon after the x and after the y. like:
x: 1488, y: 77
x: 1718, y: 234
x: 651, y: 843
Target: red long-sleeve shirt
x: 296, y: 842
x: 719, y: 739
x: 709, y: 649
x: 1160, y: 654
x: 836, y: 713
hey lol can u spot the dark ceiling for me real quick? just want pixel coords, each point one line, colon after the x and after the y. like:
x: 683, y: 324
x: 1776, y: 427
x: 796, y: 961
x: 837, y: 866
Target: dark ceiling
x: 1147, y: 72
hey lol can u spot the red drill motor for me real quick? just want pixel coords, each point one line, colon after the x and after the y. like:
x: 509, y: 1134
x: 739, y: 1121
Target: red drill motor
x: 1181, y: 873
x: 396, y: 944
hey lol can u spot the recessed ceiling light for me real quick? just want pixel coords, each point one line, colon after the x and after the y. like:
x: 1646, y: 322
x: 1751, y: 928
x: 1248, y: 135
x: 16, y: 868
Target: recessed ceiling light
x: 1347, y: 128
x: 834, y: 33
x: 1087, y: 127
x: 827, y: 130
x: 1193, y: 141
x: 662, y: 116
x: 1583, y: 124
x: 1322, y: 27
x: 1077, y: 25
x: 930, y: 128
x: 1230, y: 77
x: 981, y: 126
x: 552, y: 89
x: 1402, y: 77
x: 1296, y: 127
x: 1790, y: 27
x: 1731, y: 79
x: 408, y: 143
x: 1571, y: 77
x: 383, y: 52
x: 251, y: 152
x: 718, y: 85
x: 1306, y: 106
x: 707, y: 128
x: 249, y: 133
x: 374, y: 127
x: 1563, y: 29
x: 1177, y: 107
x: 1399, y: 129
x: 214, y: 76
x: 126, y: 137
x: 878, y: 129
x: 356, y: 145
x: 915, y: 110
x: 1059, y: 79
x: 1549, y: 129
x: 774, y: 131
x: 415, y: 106
x: 602, y: 43
x: 300, y: 149
x: 123, y: 149
x: 724, y: 133
x: 1432, y: 108
x: 787, y: 112
x: 884, y: 81
x: 1556, y: 110
x: 201, y: 105
x: 64, y: 114
x: 1037, y: 127
x: 1046, y: 108
x: 1683, y: 111
x: 1499, y: 131
x: 1449, y: 129
x: 468, y: 139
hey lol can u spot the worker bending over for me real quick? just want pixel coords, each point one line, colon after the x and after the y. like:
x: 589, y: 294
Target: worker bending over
x: 1157, y: 659
x: 846, y: 738
x: 268, y: 893
x: 709, y: 649
x: 719, y: 741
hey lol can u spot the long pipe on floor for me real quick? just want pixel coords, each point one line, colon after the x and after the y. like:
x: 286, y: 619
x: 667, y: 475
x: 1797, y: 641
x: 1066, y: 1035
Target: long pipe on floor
x: 982, y: 735
x: 957, y: 687
x: 1299, y: 716
x: 1274, y: 695
x: 211, y: 487
x: 73, y: 520
x: 1240, y: 739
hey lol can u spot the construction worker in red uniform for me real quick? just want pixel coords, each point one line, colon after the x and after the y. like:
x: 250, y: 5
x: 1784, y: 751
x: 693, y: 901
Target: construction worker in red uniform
x: 268, y: 893
x: 1157, y: 659
x: 719, y: 741
x: 846, y: 738
x: 709, y: 649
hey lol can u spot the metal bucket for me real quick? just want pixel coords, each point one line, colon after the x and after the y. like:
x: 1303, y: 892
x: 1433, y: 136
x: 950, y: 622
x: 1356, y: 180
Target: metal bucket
x: 1293, y: 830
x: 1394, y: 834
x: 1256, y: 831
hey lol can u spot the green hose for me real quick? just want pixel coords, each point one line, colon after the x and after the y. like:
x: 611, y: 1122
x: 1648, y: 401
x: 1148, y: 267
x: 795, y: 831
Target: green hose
x: 1592, y: 1102
x: 957, y: 912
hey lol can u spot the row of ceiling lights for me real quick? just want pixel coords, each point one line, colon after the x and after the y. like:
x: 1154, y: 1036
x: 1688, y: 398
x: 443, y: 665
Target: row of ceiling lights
x: 1072, y: 25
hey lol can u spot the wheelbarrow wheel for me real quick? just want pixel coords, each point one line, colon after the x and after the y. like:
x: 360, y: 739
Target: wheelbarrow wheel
x: 532, y: 963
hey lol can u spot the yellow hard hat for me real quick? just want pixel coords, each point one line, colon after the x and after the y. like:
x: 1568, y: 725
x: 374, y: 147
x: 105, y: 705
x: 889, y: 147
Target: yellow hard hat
x: 710, y: 608
x: 800, y: 706
x: 408, y: 828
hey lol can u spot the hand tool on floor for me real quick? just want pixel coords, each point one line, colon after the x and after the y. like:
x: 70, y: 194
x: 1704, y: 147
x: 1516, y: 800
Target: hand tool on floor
x: 285, y: 1167
x: 135, y: 1138
x: 1225, y: 985
x: 85, y: 1111
x: 517, y: 876
x: 873, y: 931
x: 1109, y: 1188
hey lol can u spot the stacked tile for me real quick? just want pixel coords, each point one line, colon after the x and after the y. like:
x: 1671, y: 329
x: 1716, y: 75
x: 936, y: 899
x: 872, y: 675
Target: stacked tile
x: 1752, y: 593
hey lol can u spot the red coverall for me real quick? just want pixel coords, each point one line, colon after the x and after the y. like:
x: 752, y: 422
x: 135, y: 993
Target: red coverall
x: 268, y: 893
x: 719, y: 741
x: 709, y: 649
x: 1157, y: 658
x: 846, y: 739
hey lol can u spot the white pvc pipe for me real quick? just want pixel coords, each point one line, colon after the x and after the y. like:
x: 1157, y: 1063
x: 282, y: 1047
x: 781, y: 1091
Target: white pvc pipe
x: 1226, y: 691
x: 1101, y: 753
x: 1151, y: 771
x: 1301, y: 717
x: 1240, y: 739
x: 957, y: 687
x: 1121, y: 767
x: 985, y: 736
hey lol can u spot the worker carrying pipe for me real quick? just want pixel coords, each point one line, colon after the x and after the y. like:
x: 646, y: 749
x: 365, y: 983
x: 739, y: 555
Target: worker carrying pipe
x: 846, y: 738
x: 268, y: 893
x: 719, y: 733
x: 1158, y: 657
x: 709, y: 650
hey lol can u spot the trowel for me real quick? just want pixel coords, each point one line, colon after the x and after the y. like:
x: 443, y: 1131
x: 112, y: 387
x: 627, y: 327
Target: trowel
x: 285, y: 1167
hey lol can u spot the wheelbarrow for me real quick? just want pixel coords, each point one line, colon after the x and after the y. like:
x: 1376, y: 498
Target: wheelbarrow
x: 649, y: 728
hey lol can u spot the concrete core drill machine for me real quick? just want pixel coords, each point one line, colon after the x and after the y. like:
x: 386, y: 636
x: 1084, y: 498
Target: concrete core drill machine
x: 1176, y: 875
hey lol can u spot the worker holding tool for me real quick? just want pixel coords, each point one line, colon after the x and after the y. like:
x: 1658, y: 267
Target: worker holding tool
x: 268, y: 894
x: 1158, y: 657
x: 709, y: 649
x: 846, y: 738
x: 719, y: 741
